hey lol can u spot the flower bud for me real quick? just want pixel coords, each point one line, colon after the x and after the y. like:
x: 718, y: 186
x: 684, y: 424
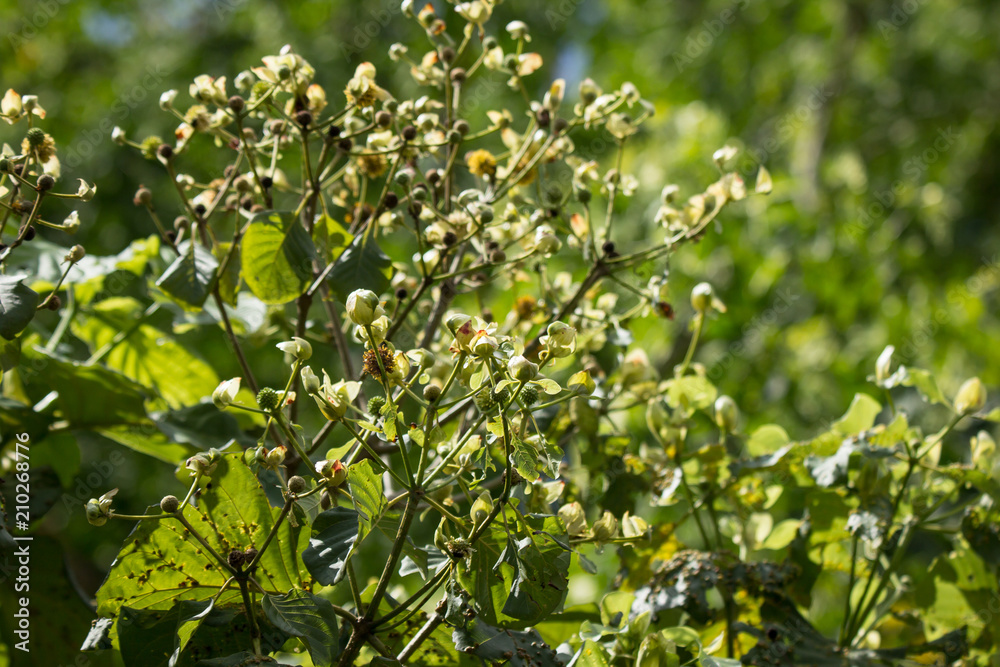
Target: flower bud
x: 883, y: 364
x: 561, y: 339
x: 299, y: 348
x: 99, y: 509
x: 522, y: 369
x: 75, y: 254
x: 481, y: 509
x: 275, y: 457
x: 225, y: 393
x: 334, y: 472
x: 971, y: 396
x: 701, y: 297
x: 363, y: 307
x: 297, y: 485
x: 203, y: 463
x: 310, y: 382
x: 581, y: 383
x: 170, y: 504
x: 726, y: 414
x: 605, y: 528
x: 574, y: 518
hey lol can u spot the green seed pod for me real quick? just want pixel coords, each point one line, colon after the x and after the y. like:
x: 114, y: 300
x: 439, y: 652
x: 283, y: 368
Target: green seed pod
x: 267, y: 399
x: 170, y: 504
x: 375, y: 404
x: 297, y: 485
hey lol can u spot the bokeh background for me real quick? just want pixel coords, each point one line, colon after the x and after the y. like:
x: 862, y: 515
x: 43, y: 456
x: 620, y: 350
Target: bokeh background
x: 878, y: 122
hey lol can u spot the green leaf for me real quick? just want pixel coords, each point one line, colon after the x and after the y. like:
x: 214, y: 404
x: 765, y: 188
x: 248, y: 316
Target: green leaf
x: 517, y: 583
x: 859, y: 416
x: 17, y: 305
x: 188, y: 281
x: 188, y: 632
x: 921, y: 380
x: 369, y: 498
x: 43, y: 261
x: 147, y: 355
x: 277, y: 257
x: 517, y: 649
x: 334, y: 534
x: 593, y: 654
x: 782, y: 534
x: 767, y: 439
x: 229, y: 278
x: 524, y: 458
x: 89, y: 396
x: 147, y: 439
x: 301, y: 614
x: 160, y: 563
x: 691, y: 392
x: 362, y: 266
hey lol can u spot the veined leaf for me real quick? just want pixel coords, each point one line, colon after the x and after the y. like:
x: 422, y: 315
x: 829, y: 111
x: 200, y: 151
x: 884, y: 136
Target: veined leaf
x: 17, y: 305
x: 301, y: 614
x: 277, y: 257
x: 334, y: 534
x: 147, y: 355
x: 362, y: 265
x: 189, y: 279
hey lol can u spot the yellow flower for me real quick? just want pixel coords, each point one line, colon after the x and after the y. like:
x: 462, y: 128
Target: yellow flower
x: 481, y: 163
x: 372, y: 166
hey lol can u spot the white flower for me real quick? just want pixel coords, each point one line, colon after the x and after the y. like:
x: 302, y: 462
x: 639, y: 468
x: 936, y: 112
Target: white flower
x: 71, y: 223
x: 477, y: 11
x: 299, y: 348
x: 167, y: 100
x: 118, y: 136
x: 11, y: 106
x: 333, y: 398
x: 519, y: 30
x: 883, y: 364
x: 86, y: 192
x: 99, y: 509
x: 309, y: 380
x: 225, y: 393
x: 560, y: 339
x: 209, y: 89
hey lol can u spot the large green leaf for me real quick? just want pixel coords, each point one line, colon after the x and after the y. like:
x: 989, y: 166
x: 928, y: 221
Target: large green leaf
x: 189, y: 279
x: 17, y: 305
x: 517, y: 582
x: 362, y: 266
x: 88, y: 396
x: 302, y: 614
x: 369, y: 498
x: 189, y: 632
x: 160, y: 563
x: 147, y: 355
x: 518, y: 649
x: 277, y: 257
x: 334, y: 534
x: 43, y: 261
